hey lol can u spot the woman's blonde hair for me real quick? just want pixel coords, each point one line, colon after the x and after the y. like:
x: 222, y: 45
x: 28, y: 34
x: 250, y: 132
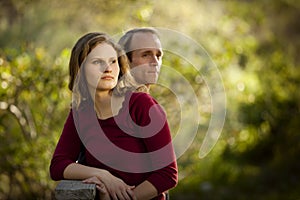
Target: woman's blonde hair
x: 78, y: 83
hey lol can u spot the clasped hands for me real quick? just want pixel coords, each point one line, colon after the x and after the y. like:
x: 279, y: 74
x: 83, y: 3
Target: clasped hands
x: 112, y: 188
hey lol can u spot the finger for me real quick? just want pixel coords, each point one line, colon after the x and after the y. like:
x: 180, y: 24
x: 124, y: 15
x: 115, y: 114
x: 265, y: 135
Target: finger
x: 125, y: 195
x: 89, y: 179
x: 92, y: 180
x: 86, y: 181
x: 102, y: 190
x: 114, y: 197
x: 101, y: 185
x: 131, y: 194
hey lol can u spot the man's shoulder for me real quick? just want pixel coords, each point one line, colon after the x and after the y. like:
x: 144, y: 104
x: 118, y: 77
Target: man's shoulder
x: 141, y: 98
x: 140, y: 95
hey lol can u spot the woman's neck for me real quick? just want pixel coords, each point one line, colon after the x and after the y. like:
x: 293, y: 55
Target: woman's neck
x: 103, y: 104
x: 107, y: 105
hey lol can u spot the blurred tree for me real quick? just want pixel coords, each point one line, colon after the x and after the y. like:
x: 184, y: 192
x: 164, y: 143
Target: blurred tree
x: 255, y: 45
x: 33, y: 97
x: 49, y: 25
x: 257, y: 155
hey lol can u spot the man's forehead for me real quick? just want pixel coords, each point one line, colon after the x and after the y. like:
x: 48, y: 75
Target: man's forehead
x: 144, y: 40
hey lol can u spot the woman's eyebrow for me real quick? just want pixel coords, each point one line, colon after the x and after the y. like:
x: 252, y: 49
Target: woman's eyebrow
x: 103, y: 59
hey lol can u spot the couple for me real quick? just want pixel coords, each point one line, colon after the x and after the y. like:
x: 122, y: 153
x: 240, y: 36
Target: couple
x: 121, y: 130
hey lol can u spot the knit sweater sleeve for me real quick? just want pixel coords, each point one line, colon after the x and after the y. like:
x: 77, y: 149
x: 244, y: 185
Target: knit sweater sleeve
x: 145, y: 111
x: 67, y: 149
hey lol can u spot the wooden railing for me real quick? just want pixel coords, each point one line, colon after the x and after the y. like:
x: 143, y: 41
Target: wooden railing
x: 72, y: 189
x: 77, y: 190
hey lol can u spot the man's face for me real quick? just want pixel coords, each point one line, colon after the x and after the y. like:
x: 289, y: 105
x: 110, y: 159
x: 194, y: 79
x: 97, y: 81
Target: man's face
x: 146, y: 57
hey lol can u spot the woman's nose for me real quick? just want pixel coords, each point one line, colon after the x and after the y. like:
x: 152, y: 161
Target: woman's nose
x: 107, y: 67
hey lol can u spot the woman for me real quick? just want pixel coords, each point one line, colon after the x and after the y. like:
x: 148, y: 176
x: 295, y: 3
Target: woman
x: 123, y: 133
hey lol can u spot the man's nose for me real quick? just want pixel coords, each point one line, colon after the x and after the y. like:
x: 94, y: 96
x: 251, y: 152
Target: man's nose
x: 154, y: 60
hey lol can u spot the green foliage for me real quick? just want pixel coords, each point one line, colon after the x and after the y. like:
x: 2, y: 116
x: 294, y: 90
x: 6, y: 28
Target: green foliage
x: 255, y: 45
x: 260, y: 140
x: 33, y: 100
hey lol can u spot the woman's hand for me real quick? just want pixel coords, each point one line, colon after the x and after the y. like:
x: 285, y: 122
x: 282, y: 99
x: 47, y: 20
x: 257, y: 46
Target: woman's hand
x: 117, y: 189
x: 103, y: 193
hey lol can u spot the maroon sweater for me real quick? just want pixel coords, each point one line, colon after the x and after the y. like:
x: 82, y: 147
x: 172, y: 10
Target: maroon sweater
x: 135, y: 145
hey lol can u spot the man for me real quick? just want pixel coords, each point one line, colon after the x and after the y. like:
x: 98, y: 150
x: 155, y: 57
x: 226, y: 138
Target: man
x: 144, y: 52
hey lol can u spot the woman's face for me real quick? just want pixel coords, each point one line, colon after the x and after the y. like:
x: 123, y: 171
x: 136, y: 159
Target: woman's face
x: 102, y: 68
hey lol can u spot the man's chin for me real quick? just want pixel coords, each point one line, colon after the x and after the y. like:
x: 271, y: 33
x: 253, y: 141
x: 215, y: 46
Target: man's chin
x: 147, y: 82
x: 151, y: 82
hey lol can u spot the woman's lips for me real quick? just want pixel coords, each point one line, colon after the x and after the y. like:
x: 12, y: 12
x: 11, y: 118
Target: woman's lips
x: 107, y: 77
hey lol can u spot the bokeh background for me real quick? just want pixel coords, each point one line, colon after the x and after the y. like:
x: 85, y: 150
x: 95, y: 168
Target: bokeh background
x: 255, y: 44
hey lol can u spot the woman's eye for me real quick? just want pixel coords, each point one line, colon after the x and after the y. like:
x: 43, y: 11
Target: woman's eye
x: 98, y: 62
